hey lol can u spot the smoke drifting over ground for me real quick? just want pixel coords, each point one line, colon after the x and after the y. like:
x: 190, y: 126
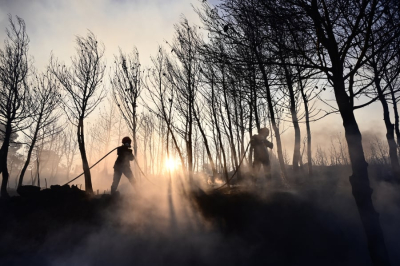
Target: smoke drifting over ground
x: 313, y: 222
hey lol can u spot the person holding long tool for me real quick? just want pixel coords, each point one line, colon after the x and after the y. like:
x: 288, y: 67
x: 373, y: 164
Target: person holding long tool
x: 122, y: 164
x: 258, y: 146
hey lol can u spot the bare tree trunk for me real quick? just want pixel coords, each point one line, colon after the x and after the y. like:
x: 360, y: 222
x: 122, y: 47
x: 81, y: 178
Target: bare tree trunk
x: 230, y: 128
x: 254, y: 102
x: 219, y: 133
x: 37, y: 169
x: 28, y: 159
x: 239, y: 129
x: 189, y: 140
x: 361, y: 189
x: 272, y: 114
x: 295, y: 121
x: 394, y: 160
x: 242, y: 126
x: 250, y: 126
x: 3, y: 160
x: 396, y: 117
x: 175, y: 142
x: 85, y: 164
x: 38, y: 174
x: 134, y: 138
x: 308, y: 129
x: 203, y: 134
x: 217, y: 153
x: 293, y: 112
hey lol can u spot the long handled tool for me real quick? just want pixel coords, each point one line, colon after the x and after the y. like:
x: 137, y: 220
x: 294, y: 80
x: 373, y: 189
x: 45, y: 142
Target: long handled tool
x: 91, y: 166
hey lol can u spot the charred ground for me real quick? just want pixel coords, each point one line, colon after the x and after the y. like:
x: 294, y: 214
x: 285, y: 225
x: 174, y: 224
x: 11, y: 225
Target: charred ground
x: 312, y: 222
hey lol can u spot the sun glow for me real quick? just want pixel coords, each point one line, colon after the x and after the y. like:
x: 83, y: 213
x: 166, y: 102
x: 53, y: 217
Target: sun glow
x: 171, y: 164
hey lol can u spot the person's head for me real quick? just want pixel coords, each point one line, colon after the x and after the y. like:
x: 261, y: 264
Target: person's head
x: 126, y: 141
x: 263, y: 131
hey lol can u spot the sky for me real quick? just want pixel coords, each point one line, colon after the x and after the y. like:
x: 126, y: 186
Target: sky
x: 52, y: 26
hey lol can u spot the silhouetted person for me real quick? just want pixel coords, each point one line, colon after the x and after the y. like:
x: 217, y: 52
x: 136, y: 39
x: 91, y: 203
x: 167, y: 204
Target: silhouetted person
x: 122, y: 164
x: 259, y: 145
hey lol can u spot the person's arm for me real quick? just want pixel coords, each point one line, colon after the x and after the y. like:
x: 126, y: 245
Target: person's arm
x: 131, y: 157
x: 268, y: 144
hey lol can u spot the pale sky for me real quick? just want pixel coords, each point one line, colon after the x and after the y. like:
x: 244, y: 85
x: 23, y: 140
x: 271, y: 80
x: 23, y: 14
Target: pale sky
x: 53, y: 24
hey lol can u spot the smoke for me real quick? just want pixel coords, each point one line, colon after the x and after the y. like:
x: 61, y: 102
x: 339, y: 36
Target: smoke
x: 159, y: 222
x: 151, y: 225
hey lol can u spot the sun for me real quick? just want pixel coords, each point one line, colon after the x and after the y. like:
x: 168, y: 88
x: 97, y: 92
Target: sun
x: 171, y: 164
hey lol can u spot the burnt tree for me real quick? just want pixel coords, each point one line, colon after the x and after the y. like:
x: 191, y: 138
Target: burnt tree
x: 126, y: 82
x: 335, y: 37
x: 14, y: 91
x: 44, y: 103
x: 84, y: 91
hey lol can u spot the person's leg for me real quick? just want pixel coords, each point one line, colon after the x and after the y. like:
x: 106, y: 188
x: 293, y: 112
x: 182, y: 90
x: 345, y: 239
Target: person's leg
x: 117, y: 177
x: 256, y: 170
x: 267, y: 170
x: 128, y: 173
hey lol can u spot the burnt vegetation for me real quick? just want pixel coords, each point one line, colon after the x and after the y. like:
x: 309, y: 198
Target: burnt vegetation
x: 249, y: 65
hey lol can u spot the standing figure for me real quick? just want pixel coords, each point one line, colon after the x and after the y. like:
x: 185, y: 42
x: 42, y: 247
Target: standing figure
x: 259, y: 145
x: 122, y: 164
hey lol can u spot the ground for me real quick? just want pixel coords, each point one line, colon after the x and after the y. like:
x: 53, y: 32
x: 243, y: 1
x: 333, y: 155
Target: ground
x: 310, y: 221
